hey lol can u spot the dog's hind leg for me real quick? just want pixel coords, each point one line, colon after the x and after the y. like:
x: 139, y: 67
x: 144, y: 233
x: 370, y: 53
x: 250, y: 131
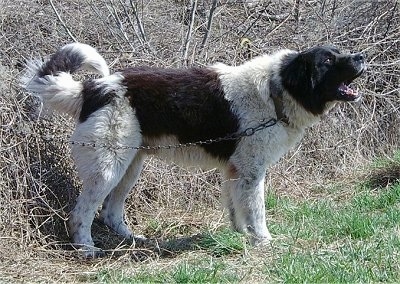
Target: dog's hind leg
x: 112, y: 211
x: 101, y: 168
x: 95, y: 189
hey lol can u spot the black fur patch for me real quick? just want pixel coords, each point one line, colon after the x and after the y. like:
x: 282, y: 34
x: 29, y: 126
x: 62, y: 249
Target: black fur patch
x: 93, y: 98
x: 296, y: 76
x: 313, y: 77
x: 64, y: 60
x: 186, y: 103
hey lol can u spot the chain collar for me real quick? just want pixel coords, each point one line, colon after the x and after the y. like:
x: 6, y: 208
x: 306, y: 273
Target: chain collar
x: 234, y: 136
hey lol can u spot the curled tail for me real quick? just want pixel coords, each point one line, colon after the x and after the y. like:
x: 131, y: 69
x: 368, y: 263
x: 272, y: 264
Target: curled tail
x: 52, y: 82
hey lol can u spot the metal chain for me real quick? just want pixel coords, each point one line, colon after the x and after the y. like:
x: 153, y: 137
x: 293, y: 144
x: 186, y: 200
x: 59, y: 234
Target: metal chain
x: 234, y: 136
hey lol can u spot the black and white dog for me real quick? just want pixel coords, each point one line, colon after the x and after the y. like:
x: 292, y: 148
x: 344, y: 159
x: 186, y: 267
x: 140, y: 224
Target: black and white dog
x: 153, y: 106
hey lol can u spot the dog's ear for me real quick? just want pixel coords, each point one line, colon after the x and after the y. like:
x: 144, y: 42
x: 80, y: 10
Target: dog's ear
x: 296, y: 74
x: 298, y: 79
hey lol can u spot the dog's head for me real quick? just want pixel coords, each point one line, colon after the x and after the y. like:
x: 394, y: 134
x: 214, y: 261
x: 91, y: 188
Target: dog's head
x: 320, y: 75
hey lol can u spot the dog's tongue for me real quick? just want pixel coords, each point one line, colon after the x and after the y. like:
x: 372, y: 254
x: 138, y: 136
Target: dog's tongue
x: 347, y: 90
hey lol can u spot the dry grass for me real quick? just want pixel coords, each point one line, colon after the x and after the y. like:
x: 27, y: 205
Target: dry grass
x: 38, y: 181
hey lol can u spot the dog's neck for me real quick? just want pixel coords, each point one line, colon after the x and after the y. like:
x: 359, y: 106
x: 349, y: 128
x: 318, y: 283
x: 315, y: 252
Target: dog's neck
x: 276, y: 93
x: 288, y: 110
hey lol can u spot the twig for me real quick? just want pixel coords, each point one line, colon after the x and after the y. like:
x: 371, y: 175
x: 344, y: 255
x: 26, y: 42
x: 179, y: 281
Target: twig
x: 93, y: 6
x: 131, y: 22
x: 189, y: 32
x: 297, y: 11
x: 120, y: 25
x: 138, y: 21
x: 390, y: 20
x: 209, y: 23
x: 142, y: 37
x: 255, y: 21
x: 62, y: 22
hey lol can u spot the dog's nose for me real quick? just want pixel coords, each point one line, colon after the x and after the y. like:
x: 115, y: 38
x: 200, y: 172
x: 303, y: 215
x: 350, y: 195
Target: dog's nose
x: 358, y: 57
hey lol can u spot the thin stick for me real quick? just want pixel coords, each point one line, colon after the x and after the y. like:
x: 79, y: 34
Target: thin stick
x: 209, y: 23
x: 120, y: 25
x: 189, y: 32
x: 62, y: 22
x: 138, y: 21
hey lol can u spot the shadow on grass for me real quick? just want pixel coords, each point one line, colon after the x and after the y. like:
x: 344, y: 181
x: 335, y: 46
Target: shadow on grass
x: 144, y: 248
x: 219, y: 243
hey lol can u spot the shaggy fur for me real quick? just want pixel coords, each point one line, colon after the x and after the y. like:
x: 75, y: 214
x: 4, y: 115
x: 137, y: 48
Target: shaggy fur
x: 151, y: 106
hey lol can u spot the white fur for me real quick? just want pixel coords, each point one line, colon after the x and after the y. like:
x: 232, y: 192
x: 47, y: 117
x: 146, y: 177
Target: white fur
x: 184, y: 156
x: 60, y: 90
x: 111, y: 83
x: 101, y: 169
x: 93, y: 60
x: 109, y: 173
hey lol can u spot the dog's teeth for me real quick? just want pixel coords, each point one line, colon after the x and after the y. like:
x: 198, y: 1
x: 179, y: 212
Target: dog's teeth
x: 347, y: 90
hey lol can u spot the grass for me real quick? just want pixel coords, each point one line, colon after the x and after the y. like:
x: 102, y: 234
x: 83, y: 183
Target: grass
x: 341, y: 243
x: 322, y: 233
x: 185, y: 272
x: 350, y: 262
x: 328, y: 241
x: 319, y: 240
x: 223, y: 242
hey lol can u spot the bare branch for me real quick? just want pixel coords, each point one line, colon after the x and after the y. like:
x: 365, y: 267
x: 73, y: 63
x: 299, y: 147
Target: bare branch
x: 93, y: 6
x: 209, y: 23
x: 138, y: 21
x: 189, y: 31
x: 120, y: 25
x: 61, y: 21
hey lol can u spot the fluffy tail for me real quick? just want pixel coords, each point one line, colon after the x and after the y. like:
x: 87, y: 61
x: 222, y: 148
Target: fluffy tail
x: 52, y: 82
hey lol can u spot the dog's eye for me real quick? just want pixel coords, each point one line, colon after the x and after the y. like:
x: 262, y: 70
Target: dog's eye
x: 328, y: 61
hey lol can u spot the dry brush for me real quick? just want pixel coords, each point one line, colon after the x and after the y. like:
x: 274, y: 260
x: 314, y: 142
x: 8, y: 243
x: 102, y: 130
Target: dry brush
x: 37, y: 179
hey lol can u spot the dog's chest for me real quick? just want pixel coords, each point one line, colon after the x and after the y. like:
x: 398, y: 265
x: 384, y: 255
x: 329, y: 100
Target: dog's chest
x: 276, y: 142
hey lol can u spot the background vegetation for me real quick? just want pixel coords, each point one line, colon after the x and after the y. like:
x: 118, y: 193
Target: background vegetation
x: 333, y: 204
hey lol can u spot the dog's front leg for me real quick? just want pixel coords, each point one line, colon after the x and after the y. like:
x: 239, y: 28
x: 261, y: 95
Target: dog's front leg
x: 244, y: 198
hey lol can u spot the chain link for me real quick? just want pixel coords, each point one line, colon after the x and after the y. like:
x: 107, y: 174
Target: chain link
x: 233, y: 136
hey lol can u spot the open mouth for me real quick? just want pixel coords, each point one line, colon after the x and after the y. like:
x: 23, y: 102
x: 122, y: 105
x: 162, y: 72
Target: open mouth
x: 348, y: 93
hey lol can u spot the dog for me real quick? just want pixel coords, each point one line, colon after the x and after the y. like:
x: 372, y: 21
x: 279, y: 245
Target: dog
x: 142, y: 107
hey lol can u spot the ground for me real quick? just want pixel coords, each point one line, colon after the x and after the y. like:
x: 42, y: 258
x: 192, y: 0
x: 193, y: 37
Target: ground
x: 333, y: 202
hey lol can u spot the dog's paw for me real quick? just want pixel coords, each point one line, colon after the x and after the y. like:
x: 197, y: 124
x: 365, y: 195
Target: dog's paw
x: 140, y: 240
x: 89, y: 252
x: 260, y: 240
x: 123, y: 230
x: 118, y: 226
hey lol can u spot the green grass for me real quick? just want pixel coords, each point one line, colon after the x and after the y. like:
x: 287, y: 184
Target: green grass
x: 349, y: 263
x: 222, y: 242
x: 329, y: 241
x: 184, y: 272
x: 359, y: 218
x: 214, y: 272
x: 375, y: 260
x: 320, y: 240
